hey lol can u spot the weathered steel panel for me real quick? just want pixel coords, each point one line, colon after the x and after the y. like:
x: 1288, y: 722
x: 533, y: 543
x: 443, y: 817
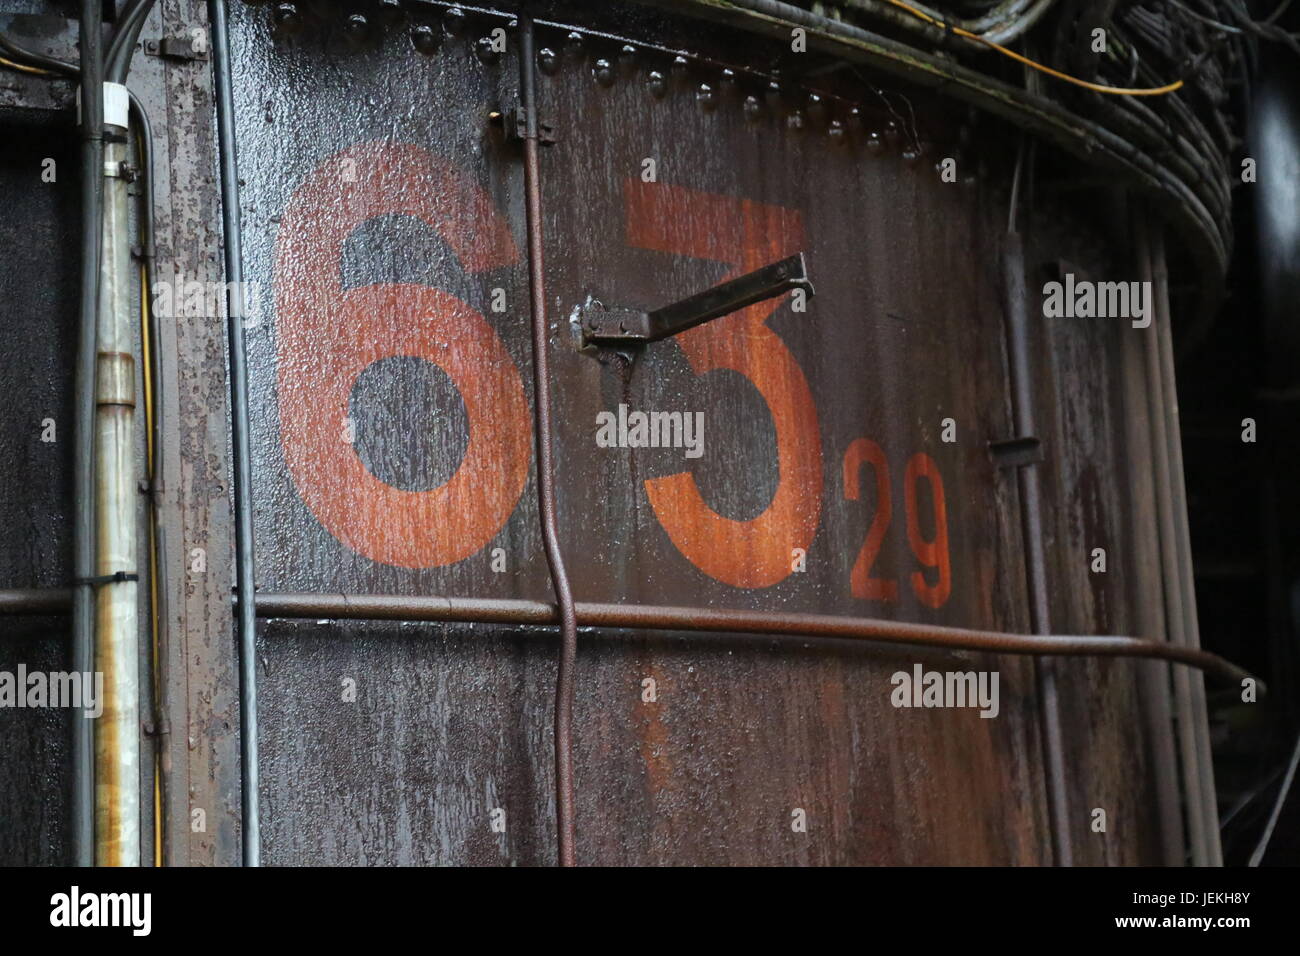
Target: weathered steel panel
x: 1091, y: 502
x: 812, y: 418
x: 352, y: 224
x: 39, y: 290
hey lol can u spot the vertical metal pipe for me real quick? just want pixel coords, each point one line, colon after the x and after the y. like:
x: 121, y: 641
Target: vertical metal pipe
x: 1031, y: 516
x: 1188, y: 741
x: 1163, y: 329
x: 83, y: 599
x: 545, y: 474
x: 117, y: 643
x: 242, y: 466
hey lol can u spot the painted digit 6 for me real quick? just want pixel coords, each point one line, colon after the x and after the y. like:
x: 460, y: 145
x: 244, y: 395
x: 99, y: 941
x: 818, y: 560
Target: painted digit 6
x: 326, y: 336
x: 746, y: 235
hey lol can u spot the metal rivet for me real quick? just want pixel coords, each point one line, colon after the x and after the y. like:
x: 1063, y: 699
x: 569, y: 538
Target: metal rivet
x: 455, y: 20
x: 355, y: 28
x: 287, y: 18
x: 774, y: 95
x: 706, y: 97
x: 658, y: 84
x: 603, y: 71
x: 485, y: 51
x: 548, y: 61
x: 390, y: 11
x: 425, y: 38
x: 816, y: 107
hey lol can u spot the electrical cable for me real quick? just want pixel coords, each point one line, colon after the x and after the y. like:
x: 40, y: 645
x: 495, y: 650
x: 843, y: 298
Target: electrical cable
x: 1033, y: 64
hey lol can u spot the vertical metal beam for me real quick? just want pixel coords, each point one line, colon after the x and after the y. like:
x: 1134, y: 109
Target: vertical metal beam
x: 564, y: 800
x: 1031, y: 516
x: 1163, y: 329
x: 242, y: 465
x: 1174, y: 600
x: 83, y: 598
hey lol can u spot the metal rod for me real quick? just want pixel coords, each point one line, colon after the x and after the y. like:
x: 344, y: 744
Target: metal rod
x: 83, y: 609
x: 1163, y: 331
x: 771, y: 280
x: 396, y: 607
x: 433, y: 610
x: 1031, y: 517
x: 1188, y: 739
x: 242, y: 465
x: 564, y: 799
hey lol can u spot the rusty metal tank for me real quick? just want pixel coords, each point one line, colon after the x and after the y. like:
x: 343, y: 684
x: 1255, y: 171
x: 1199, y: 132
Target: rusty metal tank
x: 907, y: 440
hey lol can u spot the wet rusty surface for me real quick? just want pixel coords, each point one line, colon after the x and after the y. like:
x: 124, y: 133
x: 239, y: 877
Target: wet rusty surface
x: 39, y: 290
x: 384, y: 220
x: 736, y: 739
x: 1091, y: 497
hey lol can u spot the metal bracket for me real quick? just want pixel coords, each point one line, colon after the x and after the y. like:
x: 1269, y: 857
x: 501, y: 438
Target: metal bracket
x: 176, y: 48
x: 515, y: 124
x: 1016, y: 452
x: 622, y: 326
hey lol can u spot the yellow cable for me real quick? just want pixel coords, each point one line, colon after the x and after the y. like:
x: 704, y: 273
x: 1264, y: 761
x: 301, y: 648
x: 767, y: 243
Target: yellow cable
x: 1095, y: 87
x: 153, y: 547
x: 23, y: 67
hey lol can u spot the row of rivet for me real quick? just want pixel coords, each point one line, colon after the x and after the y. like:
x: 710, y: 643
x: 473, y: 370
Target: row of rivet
x: 427, y: 39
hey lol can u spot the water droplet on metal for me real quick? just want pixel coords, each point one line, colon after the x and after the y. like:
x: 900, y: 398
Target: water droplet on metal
x: 836, y: 133
x: 680, y: 64
x: 658, y: 84
x: 875, y: 142
x: 603, y: 71
x: 455, y: 20
x: 573, y: 43
x: 891, y: 131
x: 911, y: 155
x: 628, y: 53
x: 706, y: 97
x: 795, y: 120
x: 548, y: 61
x: 753, y: 109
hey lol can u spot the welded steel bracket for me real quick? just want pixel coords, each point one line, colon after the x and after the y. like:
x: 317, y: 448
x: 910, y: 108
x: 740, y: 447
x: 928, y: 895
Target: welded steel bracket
x: 611, y: 326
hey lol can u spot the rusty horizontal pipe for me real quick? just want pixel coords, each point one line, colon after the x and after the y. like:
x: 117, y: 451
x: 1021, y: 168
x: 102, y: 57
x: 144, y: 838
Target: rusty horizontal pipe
x: 35, y: 600
x: 393, y: 607
x: 425, y: 609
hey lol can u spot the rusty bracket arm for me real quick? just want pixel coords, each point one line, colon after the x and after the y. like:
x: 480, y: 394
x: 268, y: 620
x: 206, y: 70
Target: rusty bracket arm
x: 622, y: 326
